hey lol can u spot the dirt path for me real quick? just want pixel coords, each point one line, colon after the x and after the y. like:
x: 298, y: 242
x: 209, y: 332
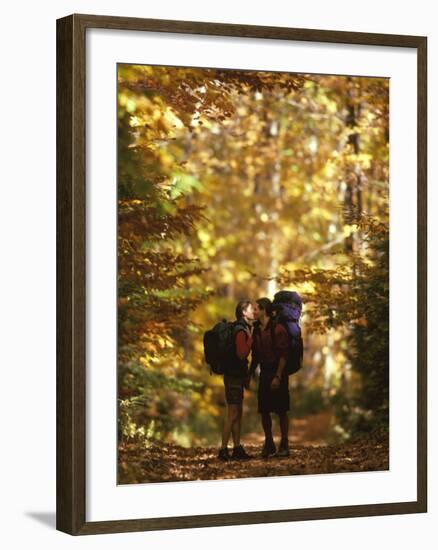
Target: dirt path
x: 308, y: 455
x: 310, y: 430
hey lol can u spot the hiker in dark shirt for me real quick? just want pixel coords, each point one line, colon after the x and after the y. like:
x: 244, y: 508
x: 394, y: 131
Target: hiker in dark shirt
x: 236, y: 373
x: 269, y: 350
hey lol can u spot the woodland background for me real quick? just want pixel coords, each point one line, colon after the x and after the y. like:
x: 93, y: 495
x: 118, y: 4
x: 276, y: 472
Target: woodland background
x: 235, y: 184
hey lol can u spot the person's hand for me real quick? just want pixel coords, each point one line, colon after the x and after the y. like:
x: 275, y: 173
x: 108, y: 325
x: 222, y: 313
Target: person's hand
x: 275, y: 384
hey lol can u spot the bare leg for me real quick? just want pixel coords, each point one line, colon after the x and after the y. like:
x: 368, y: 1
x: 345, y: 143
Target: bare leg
x: 284, y: 427
x: 230, y: 418
x: 237, y: 426
x: 267, y: 426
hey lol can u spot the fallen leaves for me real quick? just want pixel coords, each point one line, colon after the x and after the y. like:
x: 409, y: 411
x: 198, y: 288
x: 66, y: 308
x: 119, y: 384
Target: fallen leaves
x: 167, y: 462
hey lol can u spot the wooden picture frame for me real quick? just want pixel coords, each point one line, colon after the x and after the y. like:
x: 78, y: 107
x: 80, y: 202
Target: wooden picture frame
x: 71, y: 273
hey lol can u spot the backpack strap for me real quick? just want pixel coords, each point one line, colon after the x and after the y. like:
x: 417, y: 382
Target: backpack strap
x: 237, y: 325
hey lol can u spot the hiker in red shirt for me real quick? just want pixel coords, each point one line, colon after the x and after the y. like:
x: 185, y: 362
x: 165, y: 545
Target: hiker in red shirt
x: 270, y: 347
x: 236, y: 374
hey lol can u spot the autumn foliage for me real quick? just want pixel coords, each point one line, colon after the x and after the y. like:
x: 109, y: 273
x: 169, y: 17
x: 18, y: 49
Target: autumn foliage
x: 234, y: 184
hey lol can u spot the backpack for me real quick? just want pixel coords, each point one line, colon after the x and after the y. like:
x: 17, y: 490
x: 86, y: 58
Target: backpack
x: 219, y: 345
x: 287, y: 307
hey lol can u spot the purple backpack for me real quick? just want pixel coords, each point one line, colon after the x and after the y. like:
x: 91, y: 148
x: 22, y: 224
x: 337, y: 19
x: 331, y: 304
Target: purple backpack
x: 287, y: 307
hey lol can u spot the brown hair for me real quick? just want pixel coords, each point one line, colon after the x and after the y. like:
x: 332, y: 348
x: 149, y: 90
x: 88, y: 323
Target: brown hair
x: 240, y: 308
x: 265, y: 304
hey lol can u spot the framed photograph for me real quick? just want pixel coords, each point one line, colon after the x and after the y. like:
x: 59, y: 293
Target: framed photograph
x: 241, y: 274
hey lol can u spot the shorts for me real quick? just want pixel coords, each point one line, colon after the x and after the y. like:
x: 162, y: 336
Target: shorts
x: 233, y: 389
x: 269, y: 400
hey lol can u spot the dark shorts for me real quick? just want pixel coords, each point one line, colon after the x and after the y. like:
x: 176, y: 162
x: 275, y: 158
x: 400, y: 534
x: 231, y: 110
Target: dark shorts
x: 269, y: 400
x: 233, y: 389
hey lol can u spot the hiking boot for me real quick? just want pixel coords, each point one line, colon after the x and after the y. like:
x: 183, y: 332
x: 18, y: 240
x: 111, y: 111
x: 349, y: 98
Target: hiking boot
x: 223, y: 454
x: 283, y: 450
x: 239, y: 453
x: 268, y: 449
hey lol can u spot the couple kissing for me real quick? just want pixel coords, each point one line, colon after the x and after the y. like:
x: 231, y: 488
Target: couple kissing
x: 269, y: 333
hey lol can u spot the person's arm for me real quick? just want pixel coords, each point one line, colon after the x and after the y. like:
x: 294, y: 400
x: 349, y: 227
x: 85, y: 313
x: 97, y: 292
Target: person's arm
x: 282, y: 343
x: 255, y: 358
x: 252, y: 368
x: 243, y: 344
x: 277, y: 378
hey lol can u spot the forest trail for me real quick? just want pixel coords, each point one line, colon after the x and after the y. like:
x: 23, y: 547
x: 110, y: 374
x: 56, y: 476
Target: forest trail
x: 312, y: 429
x: 160, y: 462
